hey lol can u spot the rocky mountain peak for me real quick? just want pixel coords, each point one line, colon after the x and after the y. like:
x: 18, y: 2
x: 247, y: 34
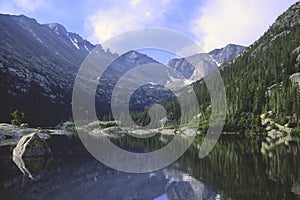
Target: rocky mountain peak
x: 288, y: 19
x: 227, y: 53
x: 22, y: 18
x: 57, y: 28
x: 137, y: 58
x: 285, y: 24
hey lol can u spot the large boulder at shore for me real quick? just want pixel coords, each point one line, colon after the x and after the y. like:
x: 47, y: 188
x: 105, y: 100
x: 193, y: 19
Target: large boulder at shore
x: 31, y: 145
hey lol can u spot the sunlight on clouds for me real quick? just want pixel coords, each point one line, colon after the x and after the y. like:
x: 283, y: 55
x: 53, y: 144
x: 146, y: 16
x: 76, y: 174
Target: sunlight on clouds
x: 29, y: 5
x: 107, y: 24
x: 134, y: 3
x: 222, y: 22
x: 117, y: 19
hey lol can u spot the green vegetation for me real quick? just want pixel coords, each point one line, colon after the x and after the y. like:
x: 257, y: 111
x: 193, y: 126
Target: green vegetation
x: 18, y: 117
x: 263, y: 79
x: 259, y: 81
x: 295, y: 132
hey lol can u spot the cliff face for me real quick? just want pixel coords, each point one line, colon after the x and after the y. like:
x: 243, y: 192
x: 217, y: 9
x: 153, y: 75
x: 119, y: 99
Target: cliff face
x: 38, y: 64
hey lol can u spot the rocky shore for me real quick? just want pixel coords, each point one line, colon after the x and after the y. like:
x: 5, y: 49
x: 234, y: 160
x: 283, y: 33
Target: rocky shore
x: 11, y: 134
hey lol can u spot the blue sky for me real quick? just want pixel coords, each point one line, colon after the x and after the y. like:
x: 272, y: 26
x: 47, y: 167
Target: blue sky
x: 212, y: 23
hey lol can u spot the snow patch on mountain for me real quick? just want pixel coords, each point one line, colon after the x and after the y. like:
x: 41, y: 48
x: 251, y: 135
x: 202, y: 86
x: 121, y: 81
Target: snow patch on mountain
x: 74, y: 42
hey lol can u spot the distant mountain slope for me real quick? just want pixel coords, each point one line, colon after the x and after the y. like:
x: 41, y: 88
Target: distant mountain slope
x: 188, y: 66
x: 226, y: 54
x: 194, y: 67
x: 146, y: 95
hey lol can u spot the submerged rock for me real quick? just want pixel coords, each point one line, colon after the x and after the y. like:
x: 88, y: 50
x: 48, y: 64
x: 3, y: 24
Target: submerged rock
x: 31, y: 145
x: 33, y: 167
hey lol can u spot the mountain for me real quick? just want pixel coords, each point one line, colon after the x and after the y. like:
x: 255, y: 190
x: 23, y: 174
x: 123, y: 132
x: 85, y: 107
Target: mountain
x: 38, y: 65
x: 149, y: 93
x: 226, y: 54
x: 264, y: 78
x: 200, y: 65
x: 194, y: 67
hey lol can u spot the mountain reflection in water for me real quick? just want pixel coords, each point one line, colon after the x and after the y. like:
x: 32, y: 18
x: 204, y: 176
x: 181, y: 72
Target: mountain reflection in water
x: 235, y: 169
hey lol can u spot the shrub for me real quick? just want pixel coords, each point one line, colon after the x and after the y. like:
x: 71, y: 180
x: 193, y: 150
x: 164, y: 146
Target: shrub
x: 18, y: 117
x: 295, y: 132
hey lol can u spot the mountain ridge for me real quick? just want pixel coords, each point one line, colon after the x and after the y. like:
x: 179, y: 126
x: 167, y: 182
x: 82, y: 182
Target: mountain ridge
x: 37, y: 69
x: 261, y: 80
x: 39, y: 63
x: 227, y: 53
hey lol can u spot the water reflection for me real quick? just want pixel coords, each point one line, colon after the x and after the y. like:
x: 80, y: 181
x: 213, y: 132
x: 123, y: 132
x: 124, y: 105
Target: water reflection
x: 33, y: 167
x: 235, y: 169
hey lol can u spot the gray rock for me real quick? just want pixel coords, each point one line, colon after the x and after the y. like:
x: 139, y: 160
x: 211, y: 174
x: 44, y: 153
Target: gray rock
x: 31, y: 145
x: 107, y: 124
x: 68, y: 125
x: 24, y: 125
x: 2, y: 136
x: 167, y: 132
x: 114, y: 130
x: 14, y: 131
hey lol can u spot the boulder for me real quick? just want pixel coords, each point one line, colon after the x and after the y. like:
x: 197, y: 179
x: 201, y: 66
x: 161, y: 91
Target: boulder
x: 188, y: 131
x: 68, y: 125
x: 24, y: 125
x: 31, y: 145
x: 14, y: 131
x: 107, y: 124
x: 114, y: 130
x: 167, y: 132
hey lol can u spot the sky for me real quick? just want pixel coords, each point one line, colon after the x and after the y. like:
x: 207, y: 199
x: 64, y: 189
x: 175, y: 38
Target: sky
x: 211, y: 23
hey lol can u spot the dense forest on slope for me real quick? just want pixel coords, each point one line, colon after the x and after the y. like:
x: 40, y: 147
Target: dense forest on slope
x: 264, y: 78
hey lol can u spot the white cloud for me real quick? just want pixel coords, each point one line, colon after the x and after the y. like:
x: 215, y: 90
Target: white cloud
x: 21, y: 6
x: 124, y: 16
x: 134, y: 3
x: 235, y: 21
x: 29, y: 5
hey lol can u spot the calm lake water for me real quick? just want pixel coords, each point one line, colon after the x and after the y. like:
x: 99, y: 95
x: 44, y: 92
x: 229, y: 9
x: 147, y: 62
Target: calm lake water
x: 235, y: 169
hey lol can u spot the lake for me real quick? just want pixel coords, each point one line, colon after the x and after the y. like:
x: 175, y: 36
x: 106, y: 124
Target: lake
x: 234, y: 169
